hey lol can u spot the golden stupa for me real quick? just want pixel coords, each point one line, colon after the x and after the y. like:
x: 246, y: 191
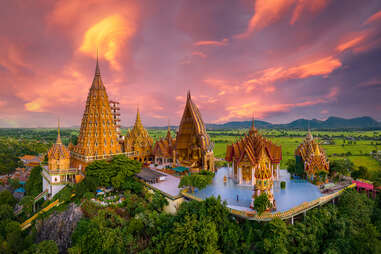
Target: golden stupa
x: 312, y: 156
x: 194, y: 148
x: 98, y: 138
x: 58, y: 155
x: 139, y: 141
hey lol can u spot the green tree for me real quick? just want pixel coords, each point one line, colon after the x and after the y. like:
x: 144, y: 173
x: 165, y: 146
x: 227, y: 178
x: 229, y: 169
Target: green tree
x: 113, y: 173
x: 362, y: 172
x: 27, y: 203
x: 6, y: 212
x: 33, y: 186
x: 261, y: 203
x: 195, y: 181
x: 7, y: 198
x: 158, y: 201
x: 192, y: 236
x: 275, y: 237
x: 44, y: 247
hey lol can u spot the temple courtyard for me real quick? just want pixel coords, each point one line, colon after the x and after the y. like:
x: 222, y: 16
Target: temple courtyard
x: 295, y: 193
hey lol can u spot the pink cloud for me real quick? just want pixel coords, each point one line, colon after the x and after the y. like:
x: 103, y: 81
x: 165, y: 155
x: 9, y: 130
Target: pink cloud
x: 374, y: 18
x: 269, y: 12
x: 320, y: 67
x: 223, y: 42
x: 199, y: 53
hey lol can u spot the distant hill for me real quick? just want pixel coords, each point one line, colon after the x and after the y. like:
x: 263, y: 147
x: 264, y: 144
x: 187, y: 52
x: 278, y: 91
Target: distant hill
x: 332, y: 122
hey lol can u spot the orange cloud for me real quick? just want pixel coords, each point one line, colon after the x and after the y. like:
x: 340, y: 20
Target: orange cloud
x: 55, y: 91
x: 312, y: 6
x: 267, y: 12
x: 323, y: 66
x: 199, y: 53
x: 262, y: 109
x: 375, y: 17
x: 108, y: 35
x: 351, y: 43
x: 213, y: 43
x: 12, y: 58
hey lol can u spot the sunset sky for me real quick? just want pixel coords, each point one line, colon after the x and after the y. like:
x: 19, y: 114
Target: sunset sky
x: 281, y: 59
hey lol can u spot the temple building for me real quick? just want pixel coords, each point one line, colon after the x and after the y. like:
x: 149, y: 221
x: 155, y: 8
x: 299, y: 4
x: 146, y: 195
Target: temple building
x: 255, y: 161
x: 194, y: 148
x: 312, y: 157
x: 58, y: 173
x: 98, y: 137
x: 139, y: 141
x: 164, y: 150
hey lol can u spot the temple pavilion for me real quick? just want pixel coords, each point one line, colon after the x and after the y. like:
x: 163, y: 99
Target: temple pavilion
x: 194, y: 148
x: 98, y: 137
x: 312, y: 157
x: 255, y: 161
x: 139, y: 141
x: 164, y: 150
x: 58, y: 172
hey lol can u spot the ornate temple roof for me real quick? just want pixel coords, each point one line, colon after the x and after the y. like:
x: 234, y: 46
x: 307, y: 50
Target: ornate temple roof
x: 58, y: 151
x: 164, y: 147
x: 192, y: 125
x: 97, y: 135
x: 138, y: 135
x: 254, y: 146
x: 312, y: 154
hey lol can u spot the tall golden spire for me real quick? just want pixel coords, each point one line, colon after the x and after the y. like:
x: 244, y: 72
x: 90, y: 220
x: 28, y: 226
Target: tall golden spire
x: 97, y: 71
x: 58, y: 133
x: 138, y: 121
x: 97, y: 136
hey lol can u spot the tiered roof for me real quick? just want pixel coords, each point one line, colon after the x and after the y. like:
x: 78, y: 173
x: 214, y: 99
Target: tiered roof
x: 192, y: 125
x: 313, y: 155
x: 58, y: 151
x: 97, y: 135
x: 164, y: 147
x: 254, y: 146
x: 139, y: 136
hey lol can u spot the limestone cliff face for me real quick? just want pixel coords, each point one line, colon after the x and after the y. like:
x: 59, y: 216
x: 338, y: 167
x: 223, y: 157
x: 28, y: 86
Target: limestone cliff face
x: 59, y: 227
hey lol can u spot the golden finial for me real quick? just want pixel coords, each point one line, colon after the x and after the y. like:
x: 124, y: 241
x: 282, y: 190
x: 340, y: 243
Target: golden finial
x: 97, y: 71
x: 58, y: 133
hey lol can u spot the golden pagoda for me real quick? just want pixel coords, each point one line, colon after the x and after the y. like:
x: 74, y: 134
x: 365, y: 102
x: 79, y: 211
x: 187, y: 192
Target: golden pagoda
x: 58, y: 173
x: 139, y: 141
x: 255, y: 162
x: 98, y: 138
x: 164, y: 150
x: 312, y: 156
x: 194, y: 148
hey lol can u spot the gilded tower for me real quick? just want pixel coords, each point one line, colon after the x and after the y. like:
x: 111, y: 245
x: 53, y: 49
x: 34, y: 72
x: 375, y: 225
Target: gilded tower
x: 139, y: 141
x: 98, y: 138
x: 194, y: 148
x: 312, y: 157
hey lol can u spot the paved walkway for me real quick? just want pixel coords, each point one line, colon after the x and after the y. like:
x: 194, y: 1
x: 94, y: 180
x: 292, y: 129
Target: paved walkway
x: 169, y: 185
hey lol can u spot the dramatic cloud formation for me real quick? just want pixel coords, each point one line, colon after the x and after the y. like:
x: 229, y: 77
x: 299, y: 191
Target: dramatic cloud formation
x: 281, y: 59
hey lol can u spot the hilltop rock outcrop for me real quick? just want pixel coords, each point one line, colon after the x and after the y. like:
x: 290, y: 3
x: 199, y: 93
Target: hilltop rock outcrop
x: 59, y: 226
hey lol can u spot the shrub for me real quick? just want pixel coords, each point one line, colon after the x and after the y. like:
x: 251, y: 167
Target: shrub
x: 283, y: 185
